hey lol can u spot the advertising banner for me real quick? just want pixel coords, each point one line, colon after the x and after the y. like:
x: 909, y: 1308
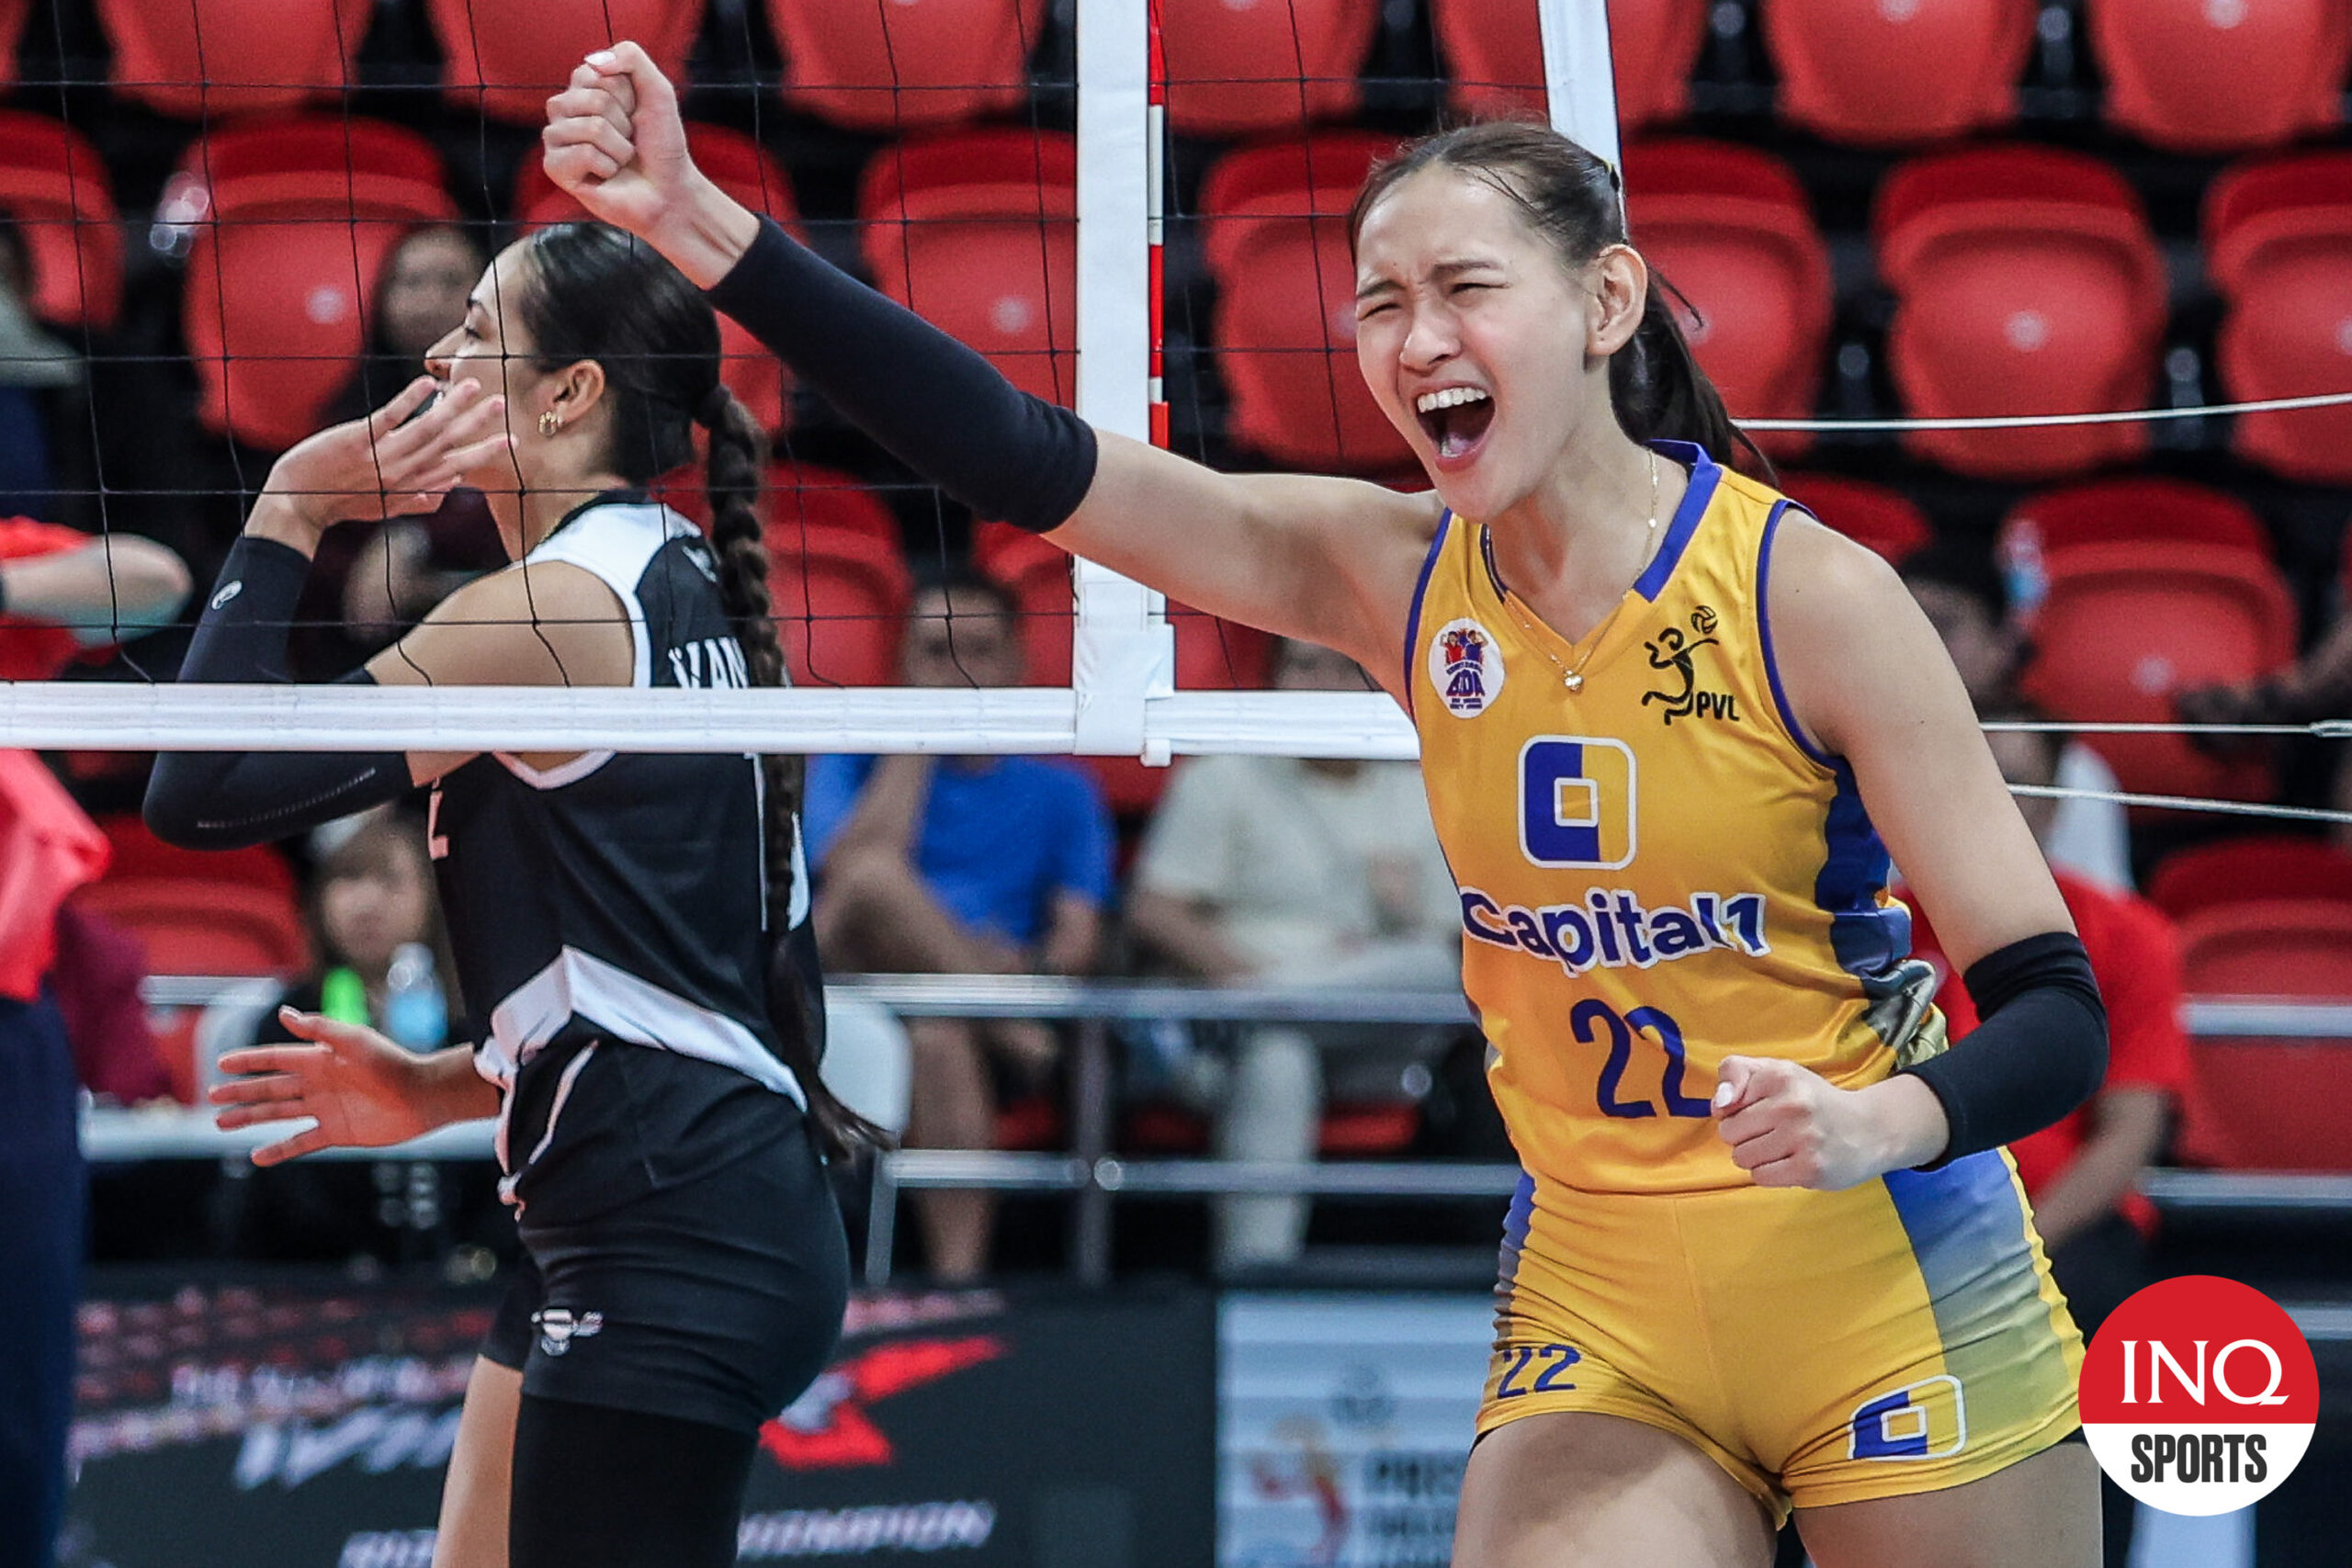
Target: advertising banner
x: 227, y: 1426
x: 1343, y: 1426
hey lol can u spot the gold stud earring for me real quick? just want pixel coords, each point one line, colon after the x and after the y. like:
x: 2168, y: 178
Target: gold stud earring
x: 550, y: 422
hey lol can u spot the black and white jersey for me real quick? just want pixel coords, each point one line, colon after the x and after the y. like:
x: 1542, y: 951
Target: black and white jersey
x: 621, y: 898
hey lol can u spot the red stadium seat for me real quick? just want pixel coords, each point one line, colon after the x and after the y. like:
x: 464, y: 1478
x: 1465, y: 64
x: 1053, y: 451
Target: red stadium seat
x: 1888, y: 73
x: 2278, y: 249
x: 2222, y: 75
x: 2267, y: 915
x: 1886, y: 520
x: 138, y: 854
x: 977, y: 231
x: 2269, y: 1104
x: 2257, y: 868
x: 2124, y: 626
x: 53, y: 190
x: 2028, y: 283
x: 200, y: 59
x: 1493, y: 57
x: 2125, y: 511
x: 305, y: 214
x: 840, y: 600
x: 1243, y: 67
x: 194, y: 926
x: 741, y: 167
x: 896, y: 67
x: 506, y: 60
x: 1285, y: 322
x: 14, y: 15
x: 801, y: 496
x: 1730, y: 228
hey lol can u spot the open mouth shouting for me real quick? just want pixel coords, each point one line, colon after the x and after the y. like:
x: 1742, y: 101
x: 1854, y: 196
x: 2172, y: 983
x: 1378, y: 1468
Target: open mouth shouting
x: 1456, y: 419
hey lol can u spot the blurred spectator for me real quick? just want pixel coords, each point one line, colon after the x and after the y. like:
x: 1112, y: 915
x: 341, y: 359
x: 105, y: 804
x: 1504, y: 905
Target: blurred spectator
x: 2316, y: 687
x: 994, y: 865
x: 372, y: 583
x: 1314, y: 872
x: 1965, y: 597
x: 2082, y: 1174
x: 60, y: 598
x: 64, y: 592
x: 383, y: 961
x: 376, y: 926
x: 31, y: 362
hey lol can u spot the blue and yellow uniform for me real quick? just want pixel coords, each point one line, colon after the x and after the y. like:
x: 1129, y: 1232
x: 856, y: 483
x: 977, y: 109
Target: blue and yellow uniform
x: 1660, y: 870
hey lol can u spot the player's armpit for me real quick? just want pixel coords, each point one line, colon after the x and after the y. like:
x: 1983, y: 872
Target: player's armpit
x: 1869, y: 683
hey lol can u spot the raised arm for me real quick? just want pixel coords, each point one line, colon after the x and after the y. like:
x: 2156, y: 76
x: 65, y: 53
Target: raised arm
x: 1329, y: 559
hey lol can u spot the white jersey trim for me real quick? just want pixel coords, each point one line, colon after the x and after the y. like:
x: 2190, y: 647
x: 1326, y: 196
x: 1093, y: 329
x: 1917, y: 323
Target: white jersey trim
x: 623, y: 1007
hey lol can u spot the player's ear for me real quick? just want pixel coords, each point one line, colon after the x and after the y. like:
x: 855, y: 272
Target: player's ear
x: 580, y: 389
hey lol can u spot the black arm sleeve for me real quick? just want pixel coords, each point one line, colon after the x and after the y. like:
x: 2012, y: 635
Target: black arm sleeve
x: 2038, y: 1052
x: 224, y: 800
x: 934, y: 404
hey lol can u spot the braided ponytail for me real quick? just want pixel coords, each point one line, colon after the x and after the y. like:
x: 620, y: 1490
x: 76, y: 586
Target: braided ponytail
x: 596, y: 293
x: 732, y: 482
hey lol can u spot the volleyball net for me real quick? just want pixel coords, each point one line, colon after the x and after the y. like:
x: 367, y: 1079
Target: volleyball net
x: 1135, y: 207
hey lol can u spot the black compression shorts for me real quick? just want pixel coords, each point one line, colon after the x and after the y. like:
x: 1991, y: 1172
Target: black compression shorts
x: 716, y: 1300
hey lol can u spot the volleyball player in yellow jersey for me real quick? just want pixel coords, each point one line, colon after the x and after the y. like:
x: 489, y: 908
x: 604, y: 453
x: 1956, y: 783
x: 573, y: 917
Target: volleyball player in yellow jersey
x: 1769, y: 1250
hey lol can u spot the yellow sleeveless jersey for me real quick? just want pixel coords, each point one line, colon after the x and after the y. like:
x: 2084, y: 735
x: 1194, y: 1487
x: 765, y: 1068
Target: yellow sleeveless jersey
x: 1656, y: 871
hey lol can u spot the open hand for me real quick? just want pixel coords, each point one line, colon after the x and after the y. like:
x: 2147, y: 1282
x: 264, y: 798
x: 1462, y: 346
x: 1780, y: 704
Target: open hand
x: 1788, y: 1126
x: 363, y: 1091
x: 396, y: 460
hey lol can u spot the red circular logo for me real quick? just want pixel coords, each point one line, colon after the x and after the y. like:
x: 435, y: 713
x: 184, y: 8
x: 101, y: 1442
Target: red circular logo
x: 2199, y: 1395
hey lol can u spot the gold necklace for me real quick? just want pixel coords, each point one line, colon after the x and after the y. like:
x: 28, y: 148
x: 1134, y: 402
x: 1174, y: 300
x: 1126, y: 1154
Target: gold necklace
x: 1572, y: 676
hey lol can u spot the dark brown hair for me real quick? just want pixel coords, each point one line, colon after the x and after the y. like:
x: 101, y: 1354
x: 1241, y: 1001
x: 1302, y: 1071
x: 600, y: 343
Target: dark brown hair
x: 1571, y: 199
x: 596, y: 293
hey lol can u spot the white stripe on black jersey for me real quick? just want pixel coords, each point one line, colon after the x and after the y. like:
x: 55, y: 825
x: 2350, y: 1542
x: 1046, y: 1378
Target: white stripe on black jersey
x: 621, y: 895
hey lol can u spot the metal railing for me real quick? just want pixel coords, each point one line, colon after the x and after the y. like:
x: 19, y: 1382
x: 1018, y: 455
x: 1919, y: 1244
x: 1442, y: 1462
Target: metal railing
x: 1095, y: 1176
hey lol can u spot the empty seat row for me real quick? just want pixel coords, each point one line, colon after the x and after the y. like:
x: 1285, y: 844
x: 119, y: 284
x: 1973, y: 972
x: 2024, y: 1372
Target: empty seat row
x: 2268, y: 915
x: 2132, y: 591
x: 2190, y: 75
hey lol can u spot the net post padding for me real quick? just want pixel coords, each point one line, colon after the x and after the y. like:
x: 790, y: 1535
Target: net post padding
x: 1124, y: 654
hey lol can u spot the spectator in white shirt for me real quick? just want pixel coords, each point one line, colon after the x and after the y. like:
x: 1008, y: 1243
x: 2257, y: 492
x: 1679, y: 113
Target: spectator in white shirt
x: 1293, y: 871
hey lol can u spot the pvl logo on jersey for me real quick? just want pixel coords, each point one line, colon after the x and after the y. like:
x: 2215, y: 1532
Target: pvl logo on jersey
x: 1467, y: 668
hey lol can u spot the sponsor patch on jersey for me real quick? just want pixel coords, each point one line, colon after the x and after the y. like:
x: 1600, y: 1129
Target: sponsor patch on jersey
x: 1466, y: 667
x: 1611, y: 929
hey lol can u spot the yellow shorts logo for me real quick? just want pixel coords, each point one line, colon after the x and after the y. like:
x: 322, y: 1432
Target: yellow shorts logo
x: 1927, y: 1420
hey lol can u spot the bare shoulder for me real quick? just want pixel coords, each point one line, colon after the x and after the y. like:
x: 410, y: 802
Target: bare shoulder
x: 533, y: 623
x: 1853, y: 647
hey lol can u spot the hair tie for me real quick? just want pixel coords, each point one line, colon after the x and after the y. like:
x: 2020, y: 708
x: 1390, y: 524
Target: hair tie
x: 713, y: 407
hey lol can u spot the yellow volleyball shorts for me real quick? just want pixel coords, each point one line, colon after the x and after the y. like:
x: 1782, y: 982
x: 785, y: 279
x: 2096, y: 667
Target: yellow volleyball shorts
x: 1901, y: 1337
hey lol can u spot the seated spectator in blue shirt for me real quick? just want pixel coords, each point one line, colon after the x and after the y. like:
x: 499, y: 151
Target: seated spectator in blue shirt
x: 993, y: 866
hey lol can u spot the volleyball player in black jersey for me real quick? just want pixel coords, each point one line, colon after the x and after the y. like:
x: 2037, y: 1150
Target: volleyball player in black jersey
x: 631, y: 927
